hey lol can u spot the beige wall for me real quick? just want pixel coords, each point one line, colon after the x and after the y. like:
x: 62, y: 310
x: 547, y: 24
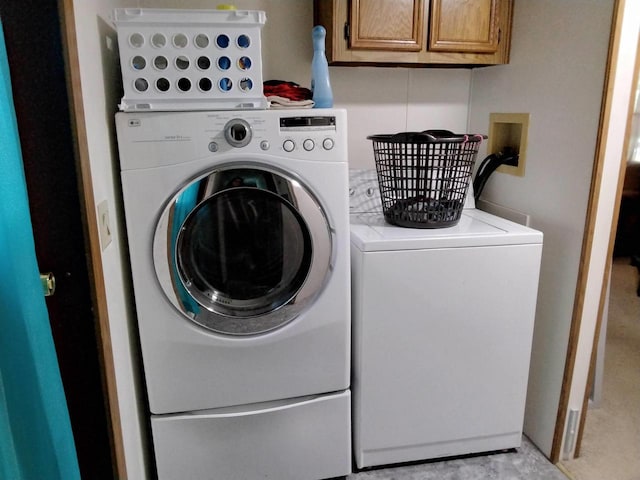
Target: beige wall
x: 622, y: 90
x: 556, y: 73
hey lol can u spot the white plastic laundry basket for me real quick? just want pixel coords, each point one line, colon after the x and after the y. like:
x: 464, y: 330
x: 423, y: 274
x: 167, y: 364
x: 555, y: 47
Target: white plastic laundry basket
x: 190, y: 59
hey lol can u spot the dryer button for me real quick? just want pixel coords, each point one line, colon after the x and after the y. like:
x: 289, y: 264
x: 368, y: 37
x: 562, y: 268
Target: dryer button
x: 308, y: 144
x: 328, y: 143
x: 213, y: 147
x: 264, y: 145
x: 288, y: 145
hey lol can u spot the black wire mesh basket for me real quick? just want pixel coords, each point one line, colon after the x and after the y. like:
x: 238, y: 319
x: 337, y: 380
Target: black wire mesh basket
x: 424, y: 176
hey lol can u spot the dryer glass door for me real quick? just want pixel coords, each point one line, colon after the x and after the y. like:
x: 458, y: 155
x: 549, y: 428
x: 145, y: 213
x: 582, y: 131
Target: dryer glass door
x: 247, y: 248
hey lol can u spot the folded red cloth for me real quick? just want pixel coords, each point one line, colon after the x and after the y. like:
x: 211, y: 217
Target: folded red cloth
x: 289, y: 90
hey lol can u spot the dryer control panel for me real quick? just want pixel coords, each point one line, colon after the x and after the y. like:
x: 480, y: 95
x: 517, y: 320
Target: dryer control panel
x: 155, y: 139
x: 297, y: 126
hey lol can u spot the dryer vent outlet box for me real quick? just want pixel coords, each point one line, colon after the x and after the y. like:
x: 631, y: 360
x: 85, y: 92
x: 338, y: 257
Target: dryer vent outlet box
x: 509, y: 131
x: 179, y: 60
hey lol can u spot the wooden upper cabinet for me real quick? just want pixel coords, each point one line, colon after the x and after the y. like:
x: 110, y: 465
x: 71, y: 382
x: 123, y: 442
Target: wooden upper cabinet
x: 464, y: 26
x: 403, y: 29
x: 416, y: 32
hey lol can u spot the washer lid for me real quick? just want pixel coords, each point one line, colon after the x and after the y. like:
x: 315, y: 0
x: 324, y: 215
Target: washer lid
x: 370, y: 232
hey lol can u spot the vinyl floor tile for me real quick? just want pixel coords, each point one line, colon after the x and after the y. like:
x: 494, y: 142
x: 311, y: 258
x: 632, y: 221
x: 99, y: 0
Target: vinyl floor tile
x: 526, y: 463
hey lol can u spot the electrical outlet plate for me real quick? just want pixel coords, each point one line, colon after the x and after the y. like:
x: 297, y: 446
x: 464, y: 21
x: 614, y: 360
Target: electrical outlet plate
x: 104, y: 225
x: 509, y: 130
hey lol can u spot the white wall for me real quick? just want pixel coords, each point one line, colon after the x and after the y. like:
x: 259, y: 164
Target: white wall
x: 98, y: 69
x: 556, y: 73
x: 391, y: 100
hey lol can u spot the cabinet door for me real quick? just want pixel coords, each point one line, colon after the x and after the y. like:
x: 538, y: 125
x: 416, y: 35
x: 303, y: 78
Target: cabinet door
x: 396, y: 25
x: 395, y: 32
x: 464, y: 26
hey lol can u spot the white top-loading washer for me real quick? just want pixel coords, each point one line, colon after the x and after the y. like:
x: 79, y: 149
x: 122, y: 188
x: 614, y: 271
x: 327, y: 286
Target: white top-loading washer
x: 442, y: 330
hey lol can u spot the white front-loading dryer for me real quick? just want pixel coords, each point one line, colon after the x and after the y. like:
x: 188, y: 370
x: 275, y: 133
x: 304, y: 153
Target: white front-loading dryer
x: 238, y: 233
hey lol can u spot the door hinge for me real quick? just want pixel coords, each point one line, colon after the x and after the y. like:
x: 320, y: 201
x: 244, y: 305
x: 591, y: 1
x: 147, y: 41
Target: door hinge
x: 347, y: 32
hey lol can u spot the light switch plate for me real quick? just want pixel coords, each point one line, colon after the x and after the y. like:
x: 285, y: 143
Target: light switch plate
x: 104, y: 224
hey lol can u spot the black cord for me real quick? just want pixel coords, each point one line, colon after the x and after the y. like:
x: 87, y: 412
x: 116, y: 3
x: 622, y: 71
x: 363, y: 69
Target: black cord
x: 489, y: 165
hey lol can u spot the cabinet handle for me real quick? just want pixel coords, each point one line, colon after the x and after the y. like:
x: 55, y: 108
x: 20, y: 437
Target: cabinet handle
x: 347, y: 32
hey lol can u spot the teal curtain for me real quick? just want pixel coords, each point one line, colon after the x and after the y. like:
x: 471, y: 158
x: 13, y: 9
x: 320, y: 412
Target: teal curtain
x: 36, y: 441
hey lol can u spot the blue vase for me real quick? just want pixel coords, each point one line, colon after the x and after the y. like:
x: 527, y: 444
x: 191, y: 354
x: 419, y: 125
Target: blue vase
x: 320, y: 84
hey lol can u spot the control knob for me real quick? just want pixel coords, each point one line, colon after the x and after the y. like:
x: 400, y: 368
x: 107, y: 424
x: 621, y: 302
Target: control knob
x: 237, y: 132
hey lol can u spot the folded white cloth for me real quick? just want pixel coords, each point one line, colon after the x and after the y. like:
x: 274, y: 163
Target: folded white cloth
x: 282, y: 102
